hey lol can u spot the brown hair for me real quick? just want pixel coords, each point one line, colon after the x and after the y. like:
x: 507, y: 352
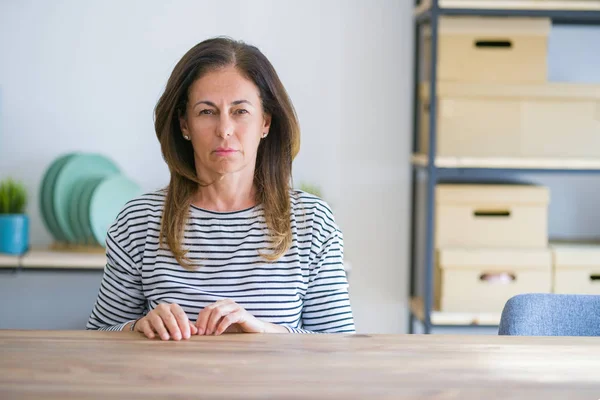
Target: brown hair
x: 272, y: 176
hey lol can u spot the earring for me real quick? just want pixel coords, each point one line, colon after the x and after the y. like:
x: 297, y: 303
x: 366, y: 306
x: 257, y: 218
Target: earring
x: 186, y: 137
x: 264, y: 135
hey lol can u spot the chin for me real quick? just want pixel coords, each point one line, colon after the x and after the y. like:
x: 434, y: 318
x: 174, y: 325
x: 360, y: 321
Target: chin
x: 228, y: 168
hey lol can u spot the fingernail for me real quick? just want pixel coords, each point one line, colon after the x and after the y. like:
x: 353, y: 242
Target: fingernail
x: 186, y: 335
x: 200, y: 331
x: 177, y: 336
x: 165, y: 337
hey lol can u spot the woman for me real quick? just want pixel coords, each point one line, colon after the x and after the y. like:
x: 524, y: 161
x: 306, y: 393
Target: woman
x: 228, y: 246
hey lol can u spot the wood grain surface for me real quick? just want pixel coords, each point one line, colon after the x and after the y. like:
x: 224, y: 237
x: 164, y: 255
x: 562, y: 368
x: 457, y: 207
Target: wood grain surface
x: 125, y: 365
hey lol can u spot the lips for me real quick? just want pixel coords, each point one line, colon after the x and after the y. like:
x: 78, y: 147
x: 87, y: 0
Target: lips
x: 225, y: 151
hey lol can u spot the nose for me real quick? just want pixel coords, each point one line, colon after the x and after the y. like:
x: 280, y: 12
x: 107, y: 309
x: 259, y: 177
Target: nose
x: 225, y: 126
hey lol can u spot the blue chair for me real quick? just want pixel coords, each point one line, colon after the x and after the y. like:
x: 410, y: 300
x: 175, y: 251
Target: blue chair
x: 551, y: 315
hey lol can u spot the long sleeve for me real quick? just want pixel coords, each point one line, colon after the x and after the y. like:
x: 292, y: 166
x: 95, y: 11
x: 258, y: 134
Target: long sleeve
x: 120, y: 299
x: 327, y: 303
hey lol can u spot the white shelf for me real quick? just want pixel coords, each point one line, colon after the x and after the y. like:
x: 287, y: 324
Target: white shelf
x: 538, y: 5
x: 510, y: 163
x: 61, y: 259
x: 454, y: 318
x: 53, y: 259
x: 8, y: 261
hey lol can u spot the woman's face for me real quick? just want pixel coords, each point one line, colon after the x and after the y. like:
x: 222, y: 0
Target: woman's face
x: 225, y: 122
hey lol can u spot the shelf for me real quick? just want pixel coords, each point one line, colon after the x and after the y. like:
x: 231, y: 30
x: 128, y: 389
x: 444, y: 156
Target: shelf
x: 441, y: 318
x: 511, y: 164
x: 440, y: 168
x: 54, y: 259
x: 540, y: 5
x: 62, y: 260
x: 568, y: 11
x: 8, y: 261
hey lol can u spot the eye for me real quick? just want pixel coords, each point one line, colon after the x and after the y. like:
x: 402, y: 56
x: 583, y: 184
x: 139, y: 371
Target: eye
x: 206, y: 111
x: 241, y: 111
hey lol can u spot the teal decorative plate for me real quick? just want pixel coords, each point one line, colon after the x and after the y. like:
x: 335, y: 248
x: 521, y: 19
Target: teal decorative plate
x: 84, y: 210
x: 108, y: 199
x: 77, y: 167
x: 74, y: 201
x: 46, y: 196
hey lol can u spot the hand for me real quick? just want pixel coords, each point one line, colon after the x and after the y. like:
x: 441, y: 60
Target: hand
x: 169, y: 321
x: 227, y: 316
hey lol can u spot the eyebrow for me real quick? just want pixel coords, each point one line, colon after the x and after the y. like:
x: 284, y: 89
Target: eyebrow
x: 210, y: 103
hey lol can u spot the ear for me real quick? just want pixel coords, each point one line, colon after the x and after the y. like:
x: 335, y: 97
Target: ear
x: 183, y: 124
x: 266, y: 123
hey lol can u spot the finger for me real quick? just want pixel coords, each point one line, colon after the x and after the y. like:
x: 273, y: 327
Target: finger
x: 182, y: 320
x: 171, y: 324
x: 203, y: 318
x: 145, y: 327
x: 217, y: 314
x: 227, y: 321
x: 193, y: 329
x: 204, y: 315
x: 159, y: 327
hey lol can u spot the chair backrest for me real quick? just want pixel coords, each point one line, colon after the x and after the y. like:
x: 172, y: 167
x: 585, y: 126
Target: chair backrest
x: 551, y: 315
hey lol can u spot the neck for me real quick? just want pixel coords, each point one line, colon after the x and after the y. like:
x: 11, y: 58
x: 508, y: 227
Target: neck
x: 229, y: 192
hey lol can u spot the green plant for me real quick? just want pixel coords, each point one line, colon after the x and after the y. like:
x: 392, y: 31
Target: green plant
x: 13, y: 197
x: 309, y: 188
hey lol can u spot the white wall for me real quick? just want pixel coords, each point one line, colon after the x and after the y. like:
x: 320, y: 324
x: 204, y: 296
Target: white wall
x: 85, y: 75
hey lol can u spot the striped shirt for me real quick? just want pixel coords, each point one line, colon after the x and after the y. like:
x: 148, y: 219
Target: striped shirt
x: 305, y: 290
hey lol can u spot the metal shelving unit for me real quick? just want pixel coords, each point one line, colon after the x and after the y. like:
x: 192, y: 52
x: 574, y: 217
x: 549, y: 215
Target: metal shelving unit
x: 434, y: 169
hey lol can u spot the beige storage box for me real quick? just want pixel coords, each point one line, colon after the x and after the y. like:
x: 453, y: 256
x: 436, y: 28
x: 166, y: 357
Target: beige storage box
x: 482, y: 280
x: 491, y: 215
x: 576, y: 268
x: 490, y: 49
x: 554, y: 120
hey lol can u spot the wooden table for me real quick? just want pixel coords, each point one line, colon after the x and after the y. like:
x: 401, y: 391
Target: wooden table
x: 124, y: 365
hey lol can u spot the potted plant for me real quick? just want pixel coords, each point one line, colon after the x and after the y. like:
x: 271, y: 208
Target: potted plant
x: 14, y: 224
